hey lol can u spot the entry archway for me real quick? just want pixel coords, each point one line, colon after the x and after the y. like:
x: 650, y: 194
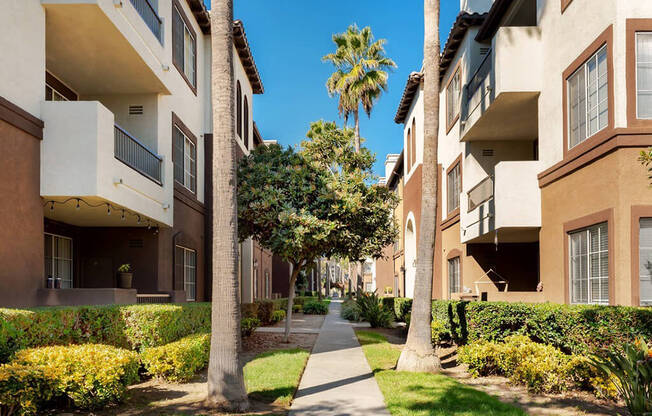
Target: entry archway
x: 410, y: 255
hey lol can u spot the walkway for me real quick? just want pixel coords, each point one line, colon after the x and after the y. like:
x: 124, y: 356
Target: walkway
x: 338, y: 380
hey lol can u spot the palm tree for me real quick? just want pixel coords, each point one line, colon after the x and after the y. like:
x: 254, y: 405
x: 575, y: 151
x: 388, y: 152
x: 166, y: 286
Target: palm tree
x: 360, y: 75
x: 418, y: 353
x: 226, y: 388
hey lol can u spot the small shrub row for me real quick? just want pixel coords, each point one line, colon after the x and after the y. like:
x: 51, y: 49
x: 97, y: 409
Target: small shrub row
x: 349, y: 311
x: 315, y: 307
x: 541, y: 368
x: 178, y: 361
x: 278, y: 316
x: 388, y: 302
x: 248, y: 326
x: 282, y: 303
x: 402, y: 307
x: 89, y: 376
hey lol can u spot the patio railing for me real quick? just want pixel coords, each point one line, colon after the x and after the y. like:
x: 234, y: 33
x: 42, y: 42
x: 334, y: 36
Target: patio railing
x: 136, y: 155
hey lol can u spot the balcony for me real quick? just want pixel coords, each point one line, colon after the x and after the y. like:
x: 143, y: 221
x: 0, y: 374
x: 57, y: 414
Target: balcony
x: 86, y: 155
x: 106, y: 46
x: 500, y: 99
x: 507, y: 203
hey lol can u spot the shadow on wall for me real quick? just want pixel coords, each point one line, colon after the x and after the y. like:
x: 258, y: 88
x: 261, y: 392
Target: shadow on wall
x: 518, y: 263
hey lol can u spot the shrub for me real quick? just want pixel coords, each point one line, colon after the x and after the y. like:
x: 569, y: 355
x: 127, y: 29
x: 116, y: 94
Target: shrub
x: 249, y: 310
x: 350, y: 311
x: 297, y: 308
x: 315, y: 307
x: 278, y: 316
x: 178, y: 361
x: 90, y: 375
x: 402, y: 306
x: 248, y: 326
x: 371, y: 309
x: 24, y: 389
x: 265, y: 309
x: 388, y: 302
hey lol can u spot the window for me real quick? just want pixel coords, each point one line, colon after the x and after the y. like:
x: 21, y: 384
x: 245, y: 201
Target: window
x: 268, y: 287
x: 246, y: 123
x: 453, y: 91
x: 588, y: 99
x: 453, y: 276
x: 645, y: 261
x: 589, y: 265
x: 185, y: 160
x: 414, y: 142
x: 58, y: 260
x: 644, y: 75
x: 453, y: 188
x: 238, y: 109
x: 188, y: 257
x: 52, y: 94
x: 409, y: 150
x: 184, y: 47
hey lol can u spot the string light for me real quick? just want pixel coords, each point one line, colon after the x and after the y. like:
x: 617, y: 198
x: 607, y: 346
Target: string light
x: 77, y: 207
x: 52, y: 207
x: 123, y: 215
x: 108, y: 209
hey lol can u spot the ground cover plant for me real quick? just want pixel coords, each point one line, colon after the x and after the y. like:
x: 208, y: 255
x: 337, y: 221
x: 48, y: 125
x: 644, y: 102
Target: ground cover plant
x: 417, y: 394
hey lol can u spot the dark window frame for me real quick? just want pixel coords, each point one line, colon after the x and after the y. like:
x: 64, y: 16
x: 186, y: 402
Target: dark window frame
x: 179, y: 65
x: 178, y: 124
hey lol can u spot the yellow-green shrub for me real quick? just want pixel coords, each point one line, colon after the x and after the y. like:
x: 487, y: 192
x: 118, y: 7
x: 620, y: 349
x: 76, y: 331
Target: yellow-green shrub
x: 24, y: 388
x: 180, y: 360
x: 90, y: 375
x: 248, y: 326
x: 278, y: 316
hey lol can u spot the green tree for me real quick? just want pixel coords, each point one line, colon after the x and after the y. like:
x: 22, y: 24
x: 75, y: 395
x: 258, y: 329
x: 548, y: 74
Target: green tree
x: 646, y: 159
x: 312, y: 203
x: 360, y: 73
x: 418, y: 353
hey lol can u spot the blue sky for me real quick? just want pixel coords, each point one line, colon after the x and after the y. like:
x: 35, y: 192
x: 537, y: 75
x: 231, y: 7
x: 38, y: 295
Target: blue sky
x: 288, y: 39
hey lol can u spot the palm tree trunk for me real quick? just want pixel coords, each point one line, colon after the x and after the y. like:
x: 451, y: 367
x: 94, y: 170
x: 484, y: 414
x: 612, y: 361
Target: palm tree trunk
x: 356, y: 117
x: 226, y: 388
x: 418, y: 354
x: 288, y: 316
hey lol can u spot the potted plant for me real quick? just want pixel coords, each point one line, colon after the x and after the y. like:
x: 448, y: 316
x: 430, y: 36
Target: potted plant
x: 125, y: 276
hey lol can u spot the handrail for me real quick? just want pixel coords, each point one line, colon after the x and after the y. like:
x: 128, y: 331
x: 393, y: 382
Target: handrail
x: 136, y: 155
x: 150, y: 16
x: 488, y: 197
x: 477, y: 71
x: 138, y: 142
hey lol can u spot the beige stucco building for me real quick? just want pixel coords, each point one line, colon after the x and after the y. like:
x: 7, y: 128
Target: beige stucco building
x: 544, y: 108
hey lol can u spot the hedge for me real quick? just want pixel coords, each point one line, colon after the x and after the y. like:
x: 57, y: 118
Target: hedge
x: 282, y: 303
x: 402, y: 307
x: 180, y: 360
x: 573, y: 329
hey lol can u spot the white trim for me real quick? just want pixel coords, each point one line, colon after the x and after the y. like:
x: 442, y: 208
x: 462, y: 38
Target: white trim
x: 55, y: 258
x: 636, y: 63
x: 186, y: 268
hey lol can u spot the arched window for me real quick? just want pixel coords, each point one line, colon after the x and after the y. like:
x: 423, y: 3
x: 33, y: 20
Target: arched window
x: 414, y: 142
x: 246, y: 123
x: 408, y: 156
x: 238, y: 109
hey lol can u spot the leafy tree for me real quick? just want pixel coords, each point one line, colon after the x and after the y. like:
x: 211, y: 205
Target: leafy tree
x: 226, y: 386
x: 646, y: 159
x: 418, y: 354
x: 312, y: 203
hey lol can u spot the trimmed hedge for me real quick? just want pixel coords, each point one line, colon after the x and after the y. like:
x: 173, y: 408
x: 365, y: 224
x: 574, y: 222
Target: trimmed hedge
x: 90, y: 375
x: 402, y: 307
x: 178, y: 361
x: 388, y: 303
x: 573, y: 329
x: 315, y: 307
x: 282, y: 303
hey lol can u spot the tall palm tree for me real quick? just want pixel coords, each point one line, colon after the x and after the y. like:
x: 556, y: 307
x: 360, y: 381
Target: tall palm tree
x: 360, y: 73
x: 226, y: 388
x: 418, y: 353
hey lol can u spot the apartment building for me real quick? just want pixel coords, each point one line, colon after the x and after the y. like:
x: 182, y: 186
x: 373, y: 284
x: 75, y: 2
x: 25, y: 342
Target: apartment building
x: 544, y: 109
x: 105, y: 122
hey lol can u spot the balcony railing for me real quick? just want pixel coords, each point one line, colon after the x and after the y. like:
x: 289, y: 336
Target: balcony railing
x: 137, y: 156
x: 480, y: 193
x: 149, y: 15
x: 474, y: 88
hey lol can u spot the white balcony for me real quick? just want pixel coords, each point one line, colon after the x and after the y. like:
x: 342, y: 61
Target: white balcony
x: 106, y: 46
x: 85, y: 155
x: 509, y: 204
x: 501, y: 98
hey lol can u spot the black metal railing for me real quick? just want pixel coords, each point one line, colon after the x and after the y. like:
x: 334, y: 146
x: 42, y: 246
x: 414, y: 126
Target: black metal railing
x: 153, y: 298
x: 476, y: 81
x: 149, y: 15
x: 137, y: 156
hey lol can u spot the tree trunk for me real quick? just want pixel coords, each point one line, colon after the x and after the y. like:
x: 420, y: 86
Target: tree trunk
x: 226, y: 388
x: 288, y: 316
x: 418, y: 354
x: 356, y: 118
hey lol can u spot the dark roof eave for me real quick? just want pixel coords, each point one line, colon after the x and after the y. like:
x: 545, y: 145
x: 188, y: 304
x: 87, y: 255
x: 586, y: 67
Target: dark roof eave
x: 246, y: 57
x: 492, y: 22
x: 463, y: 22
x: 201, y: 15
x: 411, y: 87
x: 396, y: 172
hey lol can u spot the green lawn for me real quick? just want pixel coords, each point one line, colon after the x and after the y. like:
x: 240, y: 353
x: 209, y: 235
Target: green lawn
x: 422, y: 393
x: 274, y: 376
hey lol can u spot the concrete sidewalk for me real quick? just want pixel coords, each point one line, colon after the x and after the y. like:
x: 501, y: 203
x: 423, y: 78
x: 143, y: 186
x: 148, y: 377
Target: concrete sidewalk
x: 338, y: 380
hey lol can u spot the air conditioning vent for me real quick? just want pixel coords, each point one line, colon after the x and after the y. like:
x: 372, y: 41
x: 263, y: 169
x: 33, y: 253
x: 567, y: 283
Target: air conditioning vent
x: 135, y: 110
x: 487, y: 152
x: 484, y: 51
x: 136, y: 243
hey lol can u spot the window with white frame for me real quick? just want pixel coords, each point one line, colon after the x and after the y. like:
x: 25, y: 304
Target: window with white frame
x: 453, y: 276
x: 644, y: 75
x: 58, y: 260
x: 189, y: 266
x: 184, y: 47
x: 453, y: 188
x: 453, y: 92
x: 589, y: 265
x: 645, y: 261
x: 185, y: 160
x: 588, y: 99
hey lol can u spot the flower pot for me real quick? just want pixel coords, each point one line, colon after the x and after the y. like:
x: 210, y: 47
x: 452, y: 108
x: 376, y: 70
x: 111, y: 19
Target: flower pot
x: 124, y: 280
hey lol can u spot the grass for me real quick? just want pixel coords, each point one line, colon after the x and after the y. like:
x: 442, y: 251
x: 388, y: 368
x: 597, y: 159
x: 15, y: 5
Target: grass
x: 421, y: 394
x: 274, y: 376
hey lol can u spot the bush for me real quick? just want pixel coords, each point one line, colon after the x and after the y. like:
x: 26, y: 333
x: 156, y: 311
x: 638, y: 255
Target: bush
x: 24, y: 389
x: 178, y: 361
x: 388, y: 302
x: 402, y: 306
x: 265, y: 309
x: 249, y: 310
x: 315, y: 307
x: 248, y: 326
x: 371, y: 310
x: 278, y: 316
x: 297, y: 308
x: 90, y: 375
x: 350, y: 311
